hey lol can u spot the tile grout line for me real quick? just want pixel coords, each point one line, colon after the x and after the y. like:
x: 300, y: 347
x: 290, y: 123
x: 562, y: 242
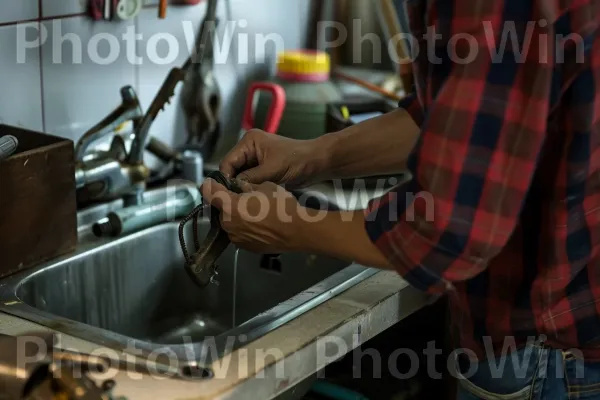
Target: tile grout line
x: 136, y: 67
x: 41, y: 18
x: 11, y: 23
x: 40, y: 15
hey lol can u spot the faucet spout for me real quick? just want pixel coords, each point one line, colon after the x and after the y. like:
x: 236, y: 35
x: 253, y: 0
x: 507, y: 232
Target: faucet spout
x: 129, y: 110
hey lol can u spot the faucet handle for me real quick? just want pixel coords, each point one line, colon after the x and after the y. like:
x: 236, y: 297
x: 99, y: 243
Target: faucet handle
x: 128, y: 95
x: 130, y: 109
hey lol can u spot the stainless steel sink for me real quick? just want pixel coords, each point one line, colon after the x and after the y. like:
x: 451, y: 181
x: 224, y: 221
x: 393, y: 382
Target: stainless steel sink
x: 133, y: 293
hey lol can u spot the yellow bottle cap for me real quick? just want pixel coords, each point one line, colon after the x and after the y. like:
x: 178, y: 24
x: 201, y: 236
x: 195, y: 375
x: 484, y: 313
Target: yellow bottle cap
x: 304, y: 65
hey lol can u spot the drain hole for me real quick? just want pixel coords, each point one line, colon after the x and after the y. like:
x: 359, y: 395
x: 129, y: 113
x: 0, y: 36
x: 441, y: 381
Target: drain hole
x: 271, y: 262
x: 196, y: 372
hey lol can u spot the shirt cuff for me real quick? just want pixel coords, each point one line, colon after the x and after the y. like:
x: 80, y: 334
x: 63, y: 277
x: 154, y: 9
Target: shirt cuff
x: 412, y: 106
x: 400, y: 241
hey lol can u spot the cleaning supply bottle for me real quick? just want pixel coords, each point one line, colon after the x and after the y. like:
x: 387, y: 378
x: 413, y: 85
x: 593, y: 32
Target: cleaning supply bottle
x: 304, y: 75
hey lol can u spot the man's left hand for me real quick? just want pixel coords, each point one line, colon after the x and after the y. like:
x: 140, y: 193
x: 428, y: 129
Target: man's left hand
x: 263, y: 219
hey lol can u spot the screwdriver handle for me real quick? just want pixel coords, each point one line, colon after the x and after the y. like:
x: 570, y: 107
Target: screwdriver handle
x: 8, y: 145
x: 162, y: 9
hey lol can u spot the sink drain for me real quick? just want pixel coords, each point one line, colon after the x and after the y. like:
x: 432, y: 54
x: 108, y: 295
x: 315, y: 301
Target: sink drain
x: 196, y: 372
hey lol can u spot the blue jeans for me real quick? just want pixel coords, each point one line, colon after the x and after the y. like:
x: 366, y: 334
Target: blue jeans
x: 533, y: 373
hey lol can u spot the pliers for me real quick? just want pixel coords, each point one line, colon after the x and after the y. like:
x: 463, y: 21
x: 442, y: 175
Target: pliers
x: 201, y: 95
x: 202, y: 266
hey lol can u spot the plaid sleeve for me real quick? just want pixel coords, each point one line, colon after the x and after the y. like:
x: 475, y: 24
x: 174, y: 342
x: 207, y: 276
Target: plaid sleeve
x: 484, y: 127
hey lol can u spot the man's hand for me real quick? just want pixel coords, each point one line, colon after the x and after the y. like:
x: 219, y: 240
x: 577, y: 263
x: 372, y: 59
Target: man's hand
x: 263, y: 219
x: 378, y: 146
x: 267, y: 219
x: 260, y: 157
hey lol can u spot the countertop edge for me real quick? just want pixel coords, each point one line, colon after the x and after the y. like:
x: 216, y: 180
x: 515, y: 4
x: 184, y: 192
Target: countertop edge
x: 346, y: 321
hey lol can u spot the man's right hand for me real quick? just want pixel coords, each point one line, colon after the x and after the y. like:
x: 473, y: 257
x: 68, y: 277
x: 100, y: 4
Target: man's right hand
x: 264, y: 157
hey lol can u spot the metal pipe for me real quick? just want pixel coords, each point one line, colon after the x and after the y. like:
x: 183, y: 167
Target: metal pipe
x: 131, y: 219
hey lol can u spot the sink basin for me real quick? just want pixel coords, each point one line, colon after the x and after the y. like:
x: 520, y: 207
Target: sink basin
x: 133, y: 293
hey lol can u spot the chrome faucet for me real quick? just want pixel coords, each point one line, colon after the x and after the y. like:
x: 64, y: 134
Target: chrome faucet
x: 106, y: 175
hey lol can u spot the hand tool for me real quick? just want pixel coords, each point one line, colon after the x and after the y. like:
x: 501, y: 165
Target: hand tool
x: 128, y: 9
x: 201, y: 95
x: 276, y: 108
x: 96, y: 9
x: 107, y: 10
x: 162, y: 9
x: 8, y: 145
x: 202, y: 266
x: 192, y: 167
x: 167, y: 90
x: 366, y: 85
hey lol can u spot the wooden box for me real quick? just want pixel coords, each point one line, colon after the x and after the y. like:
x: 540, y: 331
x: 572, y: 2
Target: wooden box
x: 38, y: 210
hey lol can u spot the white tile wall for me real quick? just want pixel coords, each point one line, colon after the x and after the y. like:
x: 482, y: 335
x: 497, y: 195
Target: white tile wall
x: 82, y: 72
x: 66, y: 94
x: 21, y: 10
x: 54, y: 8
x: 20, y: 94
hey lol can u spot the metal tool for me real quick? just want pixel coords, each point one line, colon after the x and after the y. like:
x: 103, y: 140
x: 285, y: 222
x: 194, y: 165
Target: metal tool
x: 51, y: 374
x: 107, y: 10
x: 162, y: 9
x: 177, y: 203
x: 192, y: 167
x: 276, y: 108
x: 8, y: 145
x: 201, y: 96
x: 128, y: 9
x: 112, y: 174
x: 96, y: 9
x: 202, y: 266
x: 129, y: 110
x: 188, y: 164
x: 167, y: 90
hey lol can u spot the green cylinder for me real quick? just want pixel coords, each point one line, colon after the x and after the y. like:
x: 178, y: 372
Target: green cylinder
x: 304, y: 76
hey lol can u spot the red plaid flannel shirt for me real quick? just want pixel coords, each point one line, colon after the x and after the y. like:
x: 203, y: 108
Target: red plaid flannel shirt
x: 503, y: 212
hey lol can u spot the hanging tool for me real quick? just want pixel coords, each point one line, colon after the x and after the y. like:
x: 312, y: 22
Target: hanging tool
x: 201, y: 95
x: 96, y: 9
x: 185, y: 73
x: 128, y: 9
x: 162, y: 9
x: 202, y: 265
x: 103, y: 9
x: 107, y: 10
x: 276, y: 108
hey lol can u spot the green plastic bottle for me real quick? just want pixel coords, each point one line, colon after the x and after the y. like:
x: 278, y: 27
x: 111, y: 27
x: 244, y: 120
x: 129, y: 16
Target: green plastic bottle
x: 304, y: 75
